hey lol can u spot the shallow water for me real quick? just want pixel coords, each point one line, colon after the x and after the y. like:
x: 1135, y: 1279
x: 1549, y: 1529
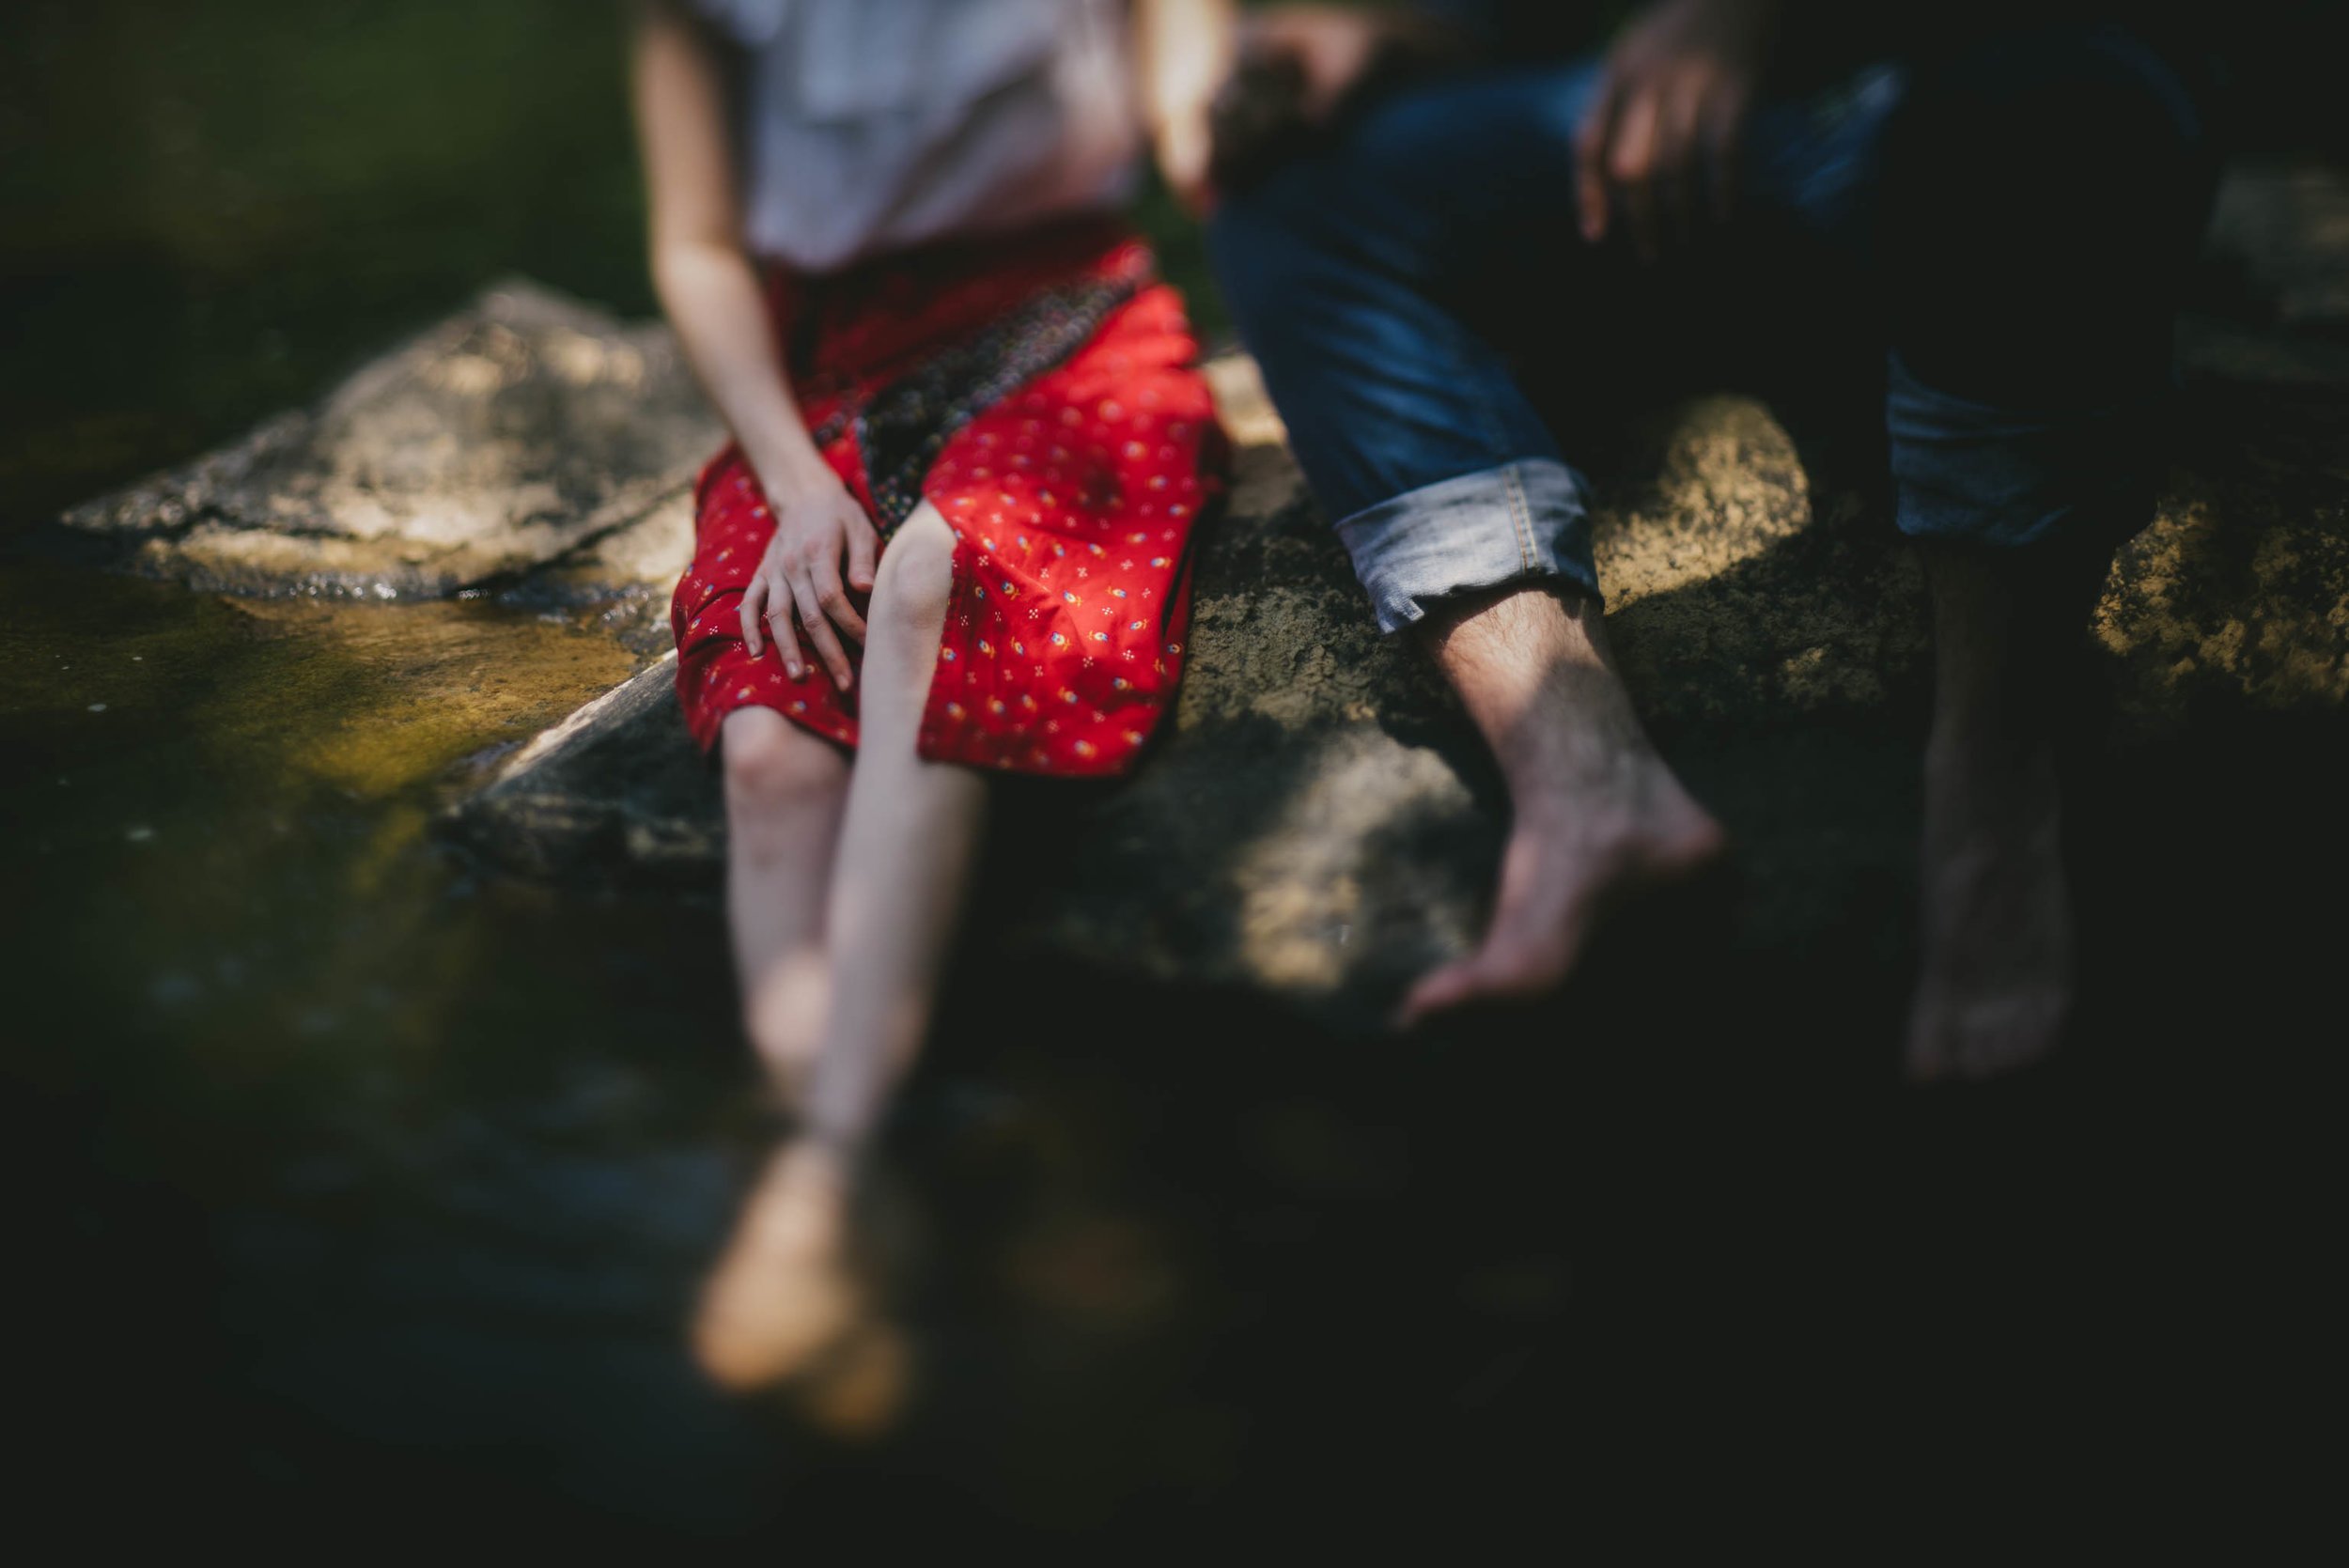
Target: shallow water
x: 362, y: 1180
x: 359, y: 1192
x: 360, y: 1186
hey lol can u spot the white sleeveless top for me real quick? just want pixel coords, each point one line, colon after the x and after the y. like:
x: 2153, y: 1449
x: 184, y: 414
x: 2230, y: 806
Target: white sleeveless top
x: 872, y: 125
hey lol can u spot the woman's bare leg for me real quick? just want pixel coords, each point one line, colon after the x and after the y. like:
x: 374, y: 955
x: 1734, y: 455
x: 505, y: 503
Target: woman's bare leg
x: 907, y: 849
x: 786, y: 792
x: 786, y: 1298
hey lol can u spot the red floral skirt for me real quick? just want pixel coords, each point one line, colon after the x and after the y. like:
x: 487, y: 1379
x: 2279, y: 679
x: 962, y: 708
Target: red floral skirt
x: 1043, y: 393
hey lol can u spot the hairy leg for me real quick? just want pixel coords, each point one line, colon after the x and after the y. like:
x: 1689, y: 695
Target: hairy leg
x: 1597, y: 815
x: 1996, y: 984
x: 787, y: 1297
x: 786, y: 792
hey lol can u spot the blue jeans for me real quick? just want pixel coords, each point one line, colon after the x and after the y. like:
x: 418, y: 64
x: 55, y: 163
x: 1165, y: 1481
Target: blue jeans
x: 2024, y: 212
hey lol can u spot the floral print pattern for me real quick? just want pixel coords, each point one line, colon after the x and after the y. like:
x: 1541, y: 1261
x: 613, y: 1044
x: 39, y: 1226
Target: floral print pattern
x: 1044, y: 395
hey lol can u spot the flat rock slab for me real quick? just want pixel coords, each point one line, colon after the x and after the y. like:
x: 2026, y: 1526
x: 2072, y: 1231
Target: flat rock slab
x: 1318, y: 822
x: 526, y: 431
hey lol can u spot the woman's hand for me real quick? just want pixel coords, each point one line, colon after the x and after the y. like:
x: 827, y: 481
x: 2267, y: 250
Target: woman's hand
x: 1668, y: 112
x: 799, y: 592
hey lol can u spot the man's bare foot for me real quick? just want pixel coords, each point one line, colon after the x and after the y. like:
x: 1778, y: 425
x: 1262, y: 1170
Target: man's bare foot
x: 787, y: 1292
x: 1599, y: 816
x: 1995, y: 989
x: 1571, y: 861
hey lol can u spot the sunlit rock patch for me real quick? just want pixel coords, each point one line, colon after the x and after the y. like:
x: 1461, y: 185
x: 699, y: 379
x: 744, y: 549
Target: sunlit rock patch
x: 2216, y: 601
x: 524, y: 428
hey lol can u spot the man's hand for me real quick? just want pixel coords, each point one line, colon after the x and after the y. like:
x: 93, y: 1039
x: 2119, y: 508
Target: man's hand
x: 1678, y: 83
x: 1278, y: 76
x: 1302, y: 66
x: 798, y: 580
x: 1334, y: 46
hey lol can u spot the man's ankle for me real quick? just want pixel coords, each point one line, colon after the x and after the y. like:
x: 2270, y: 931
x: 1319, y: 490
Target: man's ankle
x: 2005, y: 756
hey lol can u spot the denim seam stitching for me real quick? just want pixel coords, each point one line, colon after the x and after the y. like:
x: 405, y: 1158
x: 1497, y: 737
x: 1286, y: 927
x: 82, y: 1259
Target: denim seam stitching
x: 1521, y: 516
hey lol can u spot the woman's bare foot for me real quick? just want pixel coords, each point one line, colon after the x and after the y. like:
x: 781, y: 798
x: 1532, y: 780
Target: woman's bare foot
x: 791, y: 1306
x: 1994, y: 988
x: 860, y: 1386
x: 786, y: 1292
x: 1599, y: 819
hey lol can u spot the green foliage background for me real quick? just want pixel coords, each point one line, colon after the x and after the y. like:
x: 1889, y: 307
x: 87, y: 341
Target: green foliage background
x: 214, y: 207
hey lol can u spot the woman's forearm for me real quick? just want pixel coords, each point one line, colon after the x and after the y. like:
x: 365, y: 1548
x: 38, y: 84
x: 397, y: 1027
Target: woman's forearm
x: 711, y: 295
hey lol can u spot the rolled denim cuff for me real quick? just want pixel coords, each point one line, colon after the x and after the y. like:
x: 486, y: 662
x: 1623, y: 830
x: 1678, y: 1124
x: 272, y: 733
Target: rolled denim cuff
x: 2019, y: 480
x: 1522, y: 521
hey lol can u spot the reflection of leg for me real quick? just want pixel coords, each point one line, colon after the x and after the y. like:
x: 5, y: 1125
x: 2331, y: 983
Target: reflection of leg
x: 791, y: 1299
x: 1996, y: 984
x: 785, y: 790
x: 1597, y: 815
